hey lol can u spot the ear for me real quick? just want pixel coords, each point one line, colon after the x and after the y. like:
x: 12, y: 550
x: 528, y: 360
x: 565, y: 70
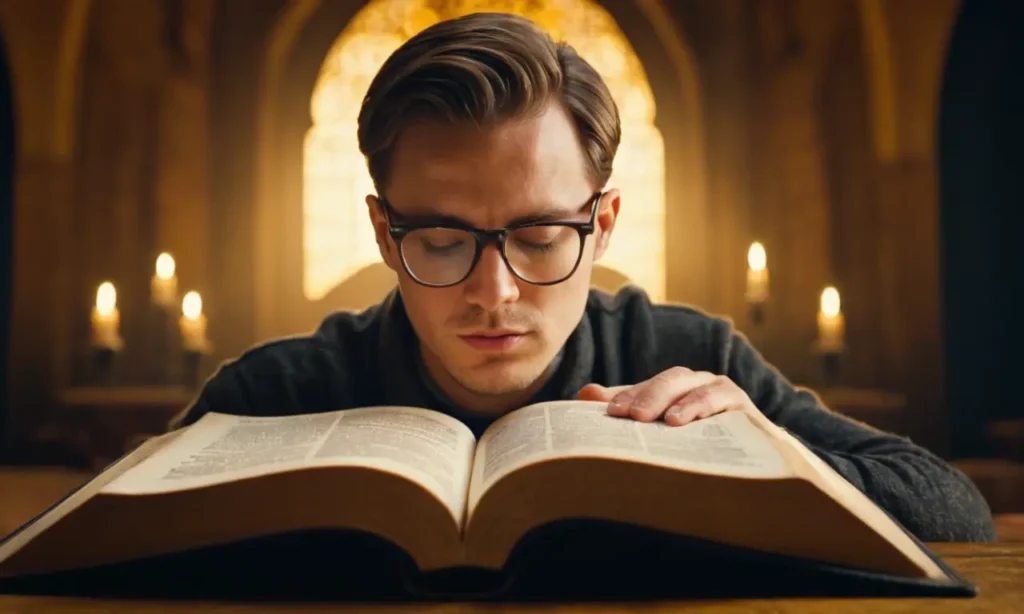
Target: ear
x: 387, y: 247
x: 604, y: 221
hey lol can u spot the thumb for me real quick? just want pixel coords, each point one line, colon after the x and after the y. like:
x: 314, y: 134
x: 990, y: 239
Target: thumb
x: 597, y: 392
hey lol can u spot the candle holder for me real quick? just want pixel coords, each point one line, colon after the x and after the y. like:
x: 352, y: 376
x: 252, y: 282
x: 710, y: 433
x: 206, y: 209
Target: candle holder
x: 103, y: 359
x: 757, y: 313
x: 831, y: 363
x: 161, y: 345
x: 192, y: 359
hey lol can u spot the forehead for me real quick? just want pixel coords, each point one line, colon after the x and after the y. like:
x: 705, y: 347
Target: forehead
x: 488, y: 176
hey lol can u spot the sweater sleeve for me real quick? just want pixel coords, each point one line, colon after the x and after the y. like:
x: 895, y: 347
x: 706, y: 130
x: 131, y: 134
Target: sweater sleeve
x: 929, y: 497
x: 291, y: 376
x: 224, y: 389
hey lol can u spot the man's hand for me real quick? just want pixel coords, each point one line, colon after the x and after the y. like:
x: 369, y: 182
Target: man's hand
x: 678, y: 394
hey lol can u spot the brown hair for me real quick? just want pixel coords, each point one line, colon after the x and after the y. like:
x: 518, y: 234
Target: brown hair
x: 482, y: 69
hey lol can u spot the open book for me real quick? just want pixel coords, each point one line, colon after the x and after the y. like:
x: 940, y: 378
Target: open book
x: 419, y: 480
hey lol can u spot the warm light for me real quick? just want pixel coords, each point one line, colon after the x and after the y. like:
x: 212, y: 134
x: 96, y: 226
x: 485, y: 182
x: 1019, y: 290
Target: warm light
x: 192, y: 305
x: 337, y: 239
x: 830, y: 302
x: 106, y: 299
x: 757, y: 258
x: 165, y: 266
x: 757, y: 276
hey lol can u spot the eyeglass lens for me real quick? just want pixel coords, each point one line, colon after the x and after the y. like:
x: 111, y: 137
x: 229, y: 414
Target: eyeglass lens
x: 538, y: 254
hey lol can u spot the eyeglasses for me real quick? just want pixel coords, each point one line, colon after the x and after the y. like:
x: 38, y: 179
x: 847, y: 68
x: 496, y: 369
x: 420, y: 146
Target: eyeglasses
x: 441, y: 255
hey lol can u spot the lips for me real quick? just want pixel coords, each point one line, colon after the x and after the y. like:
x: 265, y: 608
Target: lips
x: 495, y: 332
x: 494, y: 339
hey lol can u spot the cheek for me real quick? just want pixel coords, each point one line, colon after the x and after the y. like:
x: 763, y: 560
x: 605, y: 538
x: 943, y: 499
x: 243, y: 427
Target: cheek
x: 428, y: 308
x: 577, y: 287
x: 559, y: 307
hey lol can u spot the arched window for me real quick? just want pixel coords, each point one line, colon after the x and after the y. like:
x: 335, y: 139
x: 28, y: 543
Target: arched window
x: 337, y: 240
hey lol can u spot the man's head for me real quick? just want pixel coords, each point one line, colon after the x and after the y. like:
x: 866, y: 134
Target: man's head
x: 484, y: 123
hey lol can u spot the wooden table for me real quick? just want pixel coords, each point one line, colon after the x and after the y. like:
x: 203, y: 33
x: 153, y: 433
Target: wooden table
x: 997, y: 570
x: 100, y: 423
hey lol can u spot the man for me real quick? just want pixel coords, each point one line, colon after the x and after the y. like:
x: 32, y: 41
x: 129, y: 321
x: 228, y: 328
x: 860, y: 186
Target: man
x: 490, y: 147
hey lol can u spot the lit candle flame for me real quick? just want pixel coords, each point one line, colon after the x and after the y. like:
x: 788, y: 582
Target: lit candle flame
x: 165, y: 266
x: 757, y: 258
x: 830, y: 306
x: 106, y: 299
x: 192, y: 305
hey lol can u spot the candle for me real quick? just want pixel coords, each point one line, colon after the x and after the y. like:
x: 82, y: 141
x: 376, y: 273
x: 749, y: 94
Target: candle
x: 831, y: 325
x: 193, y: 323
x: 757, y: 274
x: 164, y: 285
x: 106, y: 320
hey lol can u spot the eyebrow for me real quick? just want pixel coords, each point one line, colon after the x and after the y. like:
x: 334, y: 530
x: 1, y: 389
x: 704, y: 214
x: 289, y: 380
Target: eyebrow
x: 555, y: 214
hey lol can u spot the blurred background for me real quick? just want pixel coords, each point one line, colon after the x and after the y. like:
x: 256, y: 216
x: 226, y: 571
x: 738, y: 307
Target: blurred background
x: 179, y: 180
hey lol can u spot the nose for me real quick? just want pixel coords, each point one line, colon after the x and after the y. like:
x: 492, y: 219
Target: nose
x: 492, y: 283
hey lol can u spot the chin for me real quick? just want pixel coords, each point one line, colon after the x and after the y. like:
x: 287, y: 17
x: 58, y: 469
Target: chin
x: 497, y: 378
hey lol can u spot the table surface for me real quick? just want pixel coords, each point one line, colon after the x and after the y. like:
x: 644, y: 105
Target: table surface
x: 996, y: 569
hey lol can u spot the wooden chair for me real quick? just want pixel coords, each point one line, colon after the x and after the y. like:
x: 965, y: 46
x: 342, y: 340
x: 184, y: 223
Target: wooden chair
x: 372, y: 283
x: 1001, y: 481
x: 1010, y: 527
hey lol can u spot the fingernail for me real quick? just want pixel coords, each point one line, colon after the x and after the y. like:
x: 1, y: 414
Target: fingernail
x: 674, y: 414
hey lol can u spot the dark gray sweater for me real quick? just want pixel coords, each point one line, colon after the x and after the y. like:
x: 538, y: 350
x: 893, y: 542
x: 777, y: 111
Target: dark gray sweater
x: 371, y: 358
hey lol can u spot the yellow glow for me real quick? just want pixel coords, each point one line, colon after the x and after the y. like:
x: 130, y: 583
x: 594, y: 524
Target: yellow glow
x: 106, y: 299
x: 830, y: 302
x: 337, y: 237
x: 165, y: 266
x: 192, y: 305
x: 757, y: 258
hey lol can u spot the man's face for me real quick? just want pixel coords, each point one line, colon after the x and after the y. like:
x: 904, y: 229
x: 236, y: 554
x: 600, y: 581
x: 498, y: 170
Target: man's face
x: 493, y: 334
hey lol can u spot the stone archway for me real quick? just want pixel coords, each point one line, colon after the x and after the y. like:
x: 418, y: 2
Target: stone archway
x: 337, y: 241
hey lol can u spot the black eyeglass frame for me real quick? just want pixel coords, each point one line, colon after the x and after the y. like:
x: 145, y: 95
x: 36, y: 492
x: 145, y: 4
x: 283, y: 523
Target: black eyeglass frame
x: 483, y: 238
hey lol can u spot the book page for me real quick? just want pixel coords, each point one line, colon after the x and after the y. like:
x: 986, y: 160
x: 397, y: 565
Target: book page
x: 725, y: 444
x: 433, y: 449
x: 866, y: 510
x: 436, y: 447
x: 10, y: 544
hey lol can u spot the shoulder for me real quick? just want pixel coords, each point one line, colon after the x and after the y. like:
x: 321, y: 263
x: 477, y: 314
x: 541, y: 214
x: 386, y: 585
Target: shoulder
x: 300, y: 374
x: 666, y: 334
x: 338, y: 335
x: 632, y: 301
x: 633, y: 307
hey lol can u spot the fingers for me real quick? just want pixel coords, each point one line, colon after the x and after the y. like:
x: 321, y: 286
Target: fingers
x: 649, y: 399
x: 678, y: 394
x: 597, y: 392
x: 715, y: 397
